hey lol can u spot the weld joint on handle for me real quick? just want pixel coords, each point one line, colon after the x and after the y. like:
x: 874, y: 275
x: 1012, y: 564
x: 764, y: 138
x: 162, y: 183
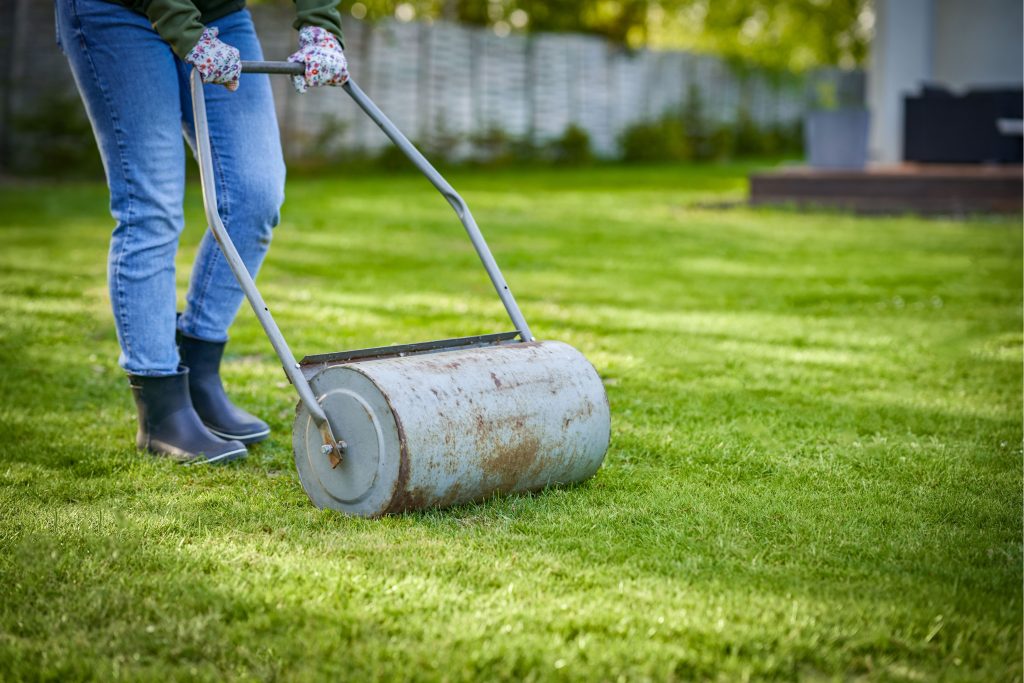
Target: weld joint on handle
x: 457, y: 203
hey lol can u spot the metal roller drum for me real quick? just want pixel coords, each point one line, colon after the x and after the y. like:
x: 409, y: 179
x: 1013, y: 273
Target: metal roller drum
x: 442, y: 428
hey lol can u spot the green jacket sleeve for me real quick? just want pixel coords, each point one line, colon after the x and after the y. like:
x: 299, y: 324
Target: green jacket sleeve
x: 322, y: 13
x: 177, y: 22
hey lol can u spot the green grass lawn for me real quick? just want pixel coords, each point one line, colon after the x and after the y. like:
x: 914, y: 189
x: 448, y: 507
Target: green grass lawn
x: 815, y: 466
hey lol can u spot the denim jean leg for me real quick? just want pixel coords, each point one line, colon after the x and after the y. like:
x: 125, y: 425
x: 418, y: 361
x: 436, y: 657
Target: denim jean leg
x: 249, y: 169
x: 128, y: 80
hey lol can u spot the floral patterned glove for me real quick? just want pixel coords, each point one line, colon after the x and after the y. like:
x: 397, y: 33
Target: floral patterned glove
x: 325, y: 63
x: 217, y: 62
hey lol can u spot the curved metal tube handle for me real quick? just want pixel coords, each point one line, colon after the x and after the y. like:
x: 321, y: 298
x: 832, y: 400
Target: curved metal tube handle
x: 333, y: 448
x: 435, y: 178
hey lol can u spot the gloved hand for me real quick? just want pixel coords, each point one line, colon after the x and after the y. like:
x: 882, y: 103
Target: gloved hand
x: 325, y: 63
x: 216, y: 62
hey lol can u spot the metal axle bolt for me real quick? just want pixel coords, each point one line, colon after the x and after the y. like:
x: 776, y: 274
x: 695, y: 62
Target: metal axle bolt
x: 333, y: 454
x: 326, y: 448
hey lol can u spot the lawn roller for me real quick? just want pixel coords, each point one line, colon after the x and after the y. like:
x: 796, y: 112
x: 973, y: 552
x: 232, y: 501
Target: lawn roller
x: 431, y: 424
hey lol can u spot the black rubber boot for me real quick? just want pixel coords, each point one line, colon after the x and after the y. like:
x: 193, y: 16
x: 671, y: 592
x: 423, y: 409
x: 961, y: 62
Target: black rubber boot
x: 169, y: 425
x: 215, y: 409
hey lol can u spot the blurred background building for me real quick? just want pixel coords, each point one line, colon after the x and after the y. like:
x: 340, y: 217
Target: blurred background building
x: 960, y: 62
x: 941, y: 128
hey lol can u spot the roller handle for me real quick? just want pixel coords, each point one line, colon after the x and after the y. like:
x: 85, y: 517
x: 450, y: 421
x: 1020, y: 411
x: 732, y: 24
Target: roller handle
x: 333, y: 448
x: 288, y: 68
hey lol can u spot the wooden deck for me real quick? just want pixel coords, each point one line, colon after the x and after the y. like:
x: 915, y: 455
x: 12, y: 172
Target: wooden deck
x: 913, y: 188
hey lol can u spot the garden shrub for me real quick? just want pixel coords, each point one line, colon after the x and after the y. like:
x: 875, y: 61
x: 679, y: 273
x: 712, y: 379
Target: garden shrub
x: 57, y: 139
x: 699, y: 135
x: 720, y: 144
x: 661, y: 140
x: 573, y: 148
x: 495, y: 147
x: 750, y: 139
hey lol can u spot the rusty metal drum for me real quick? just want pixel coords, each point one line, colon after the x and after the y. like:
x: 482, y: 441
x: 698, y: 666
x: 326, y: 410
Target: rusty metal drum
x: 443, y: 428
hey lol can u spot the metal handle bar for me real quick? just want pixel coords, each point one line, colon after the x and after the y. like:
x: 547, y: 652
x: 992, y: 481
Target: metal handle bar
x: 435, y: 178
x: 290, y: 68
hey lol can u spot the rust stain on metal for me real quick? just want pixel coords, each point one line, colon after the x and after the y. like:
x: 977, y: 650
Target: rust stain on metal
x: 420, y: 498
x: 395, y: 504
x: 583, y: 413
x: 451, y: 496
x: 507, y: 464
x: 409, y: 500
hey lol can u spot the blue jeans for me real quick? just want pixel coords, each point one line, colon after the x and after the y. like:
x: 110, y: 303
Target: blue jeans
x: 136, y: 93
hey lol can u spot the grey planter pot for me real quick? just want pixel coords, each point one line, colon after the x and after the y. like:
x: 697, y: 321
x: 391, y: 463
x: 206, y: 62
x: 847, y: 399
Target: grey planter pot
x: 837, y: 138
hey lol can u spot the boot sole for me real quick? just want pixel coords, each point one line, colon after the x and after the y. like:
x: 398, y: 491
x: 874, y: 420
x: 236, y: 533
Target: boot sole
x: 218, y: 459
x: 185, y: 458
x: 251, y: 438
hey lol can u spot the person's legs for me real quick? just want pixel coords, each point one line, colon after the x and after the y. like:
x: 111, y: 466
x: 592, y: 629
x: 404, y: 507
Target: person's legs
x: 129, y: 82
x: 249, y: 169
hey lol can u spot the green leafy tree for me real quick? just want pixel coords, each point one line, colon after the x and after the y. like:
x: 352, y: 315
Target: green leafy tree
x: 791, y: 35
x: 786, y: 34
